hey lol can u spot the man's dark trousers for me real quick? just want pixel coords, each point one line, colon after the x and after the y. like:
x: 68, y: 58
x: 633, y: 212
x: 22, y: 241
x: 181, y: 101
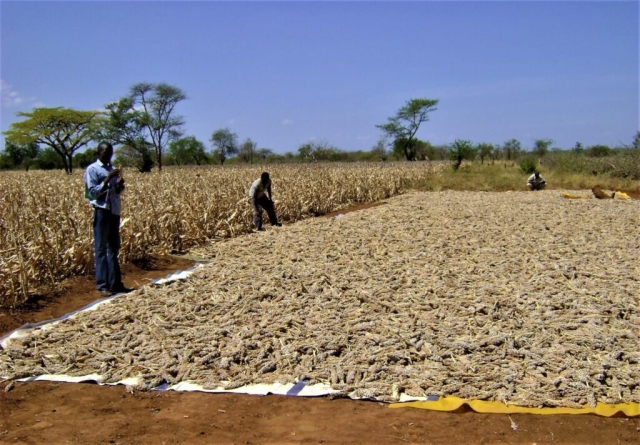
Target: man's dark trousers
x: 263, y: 203
x: 106, y: 234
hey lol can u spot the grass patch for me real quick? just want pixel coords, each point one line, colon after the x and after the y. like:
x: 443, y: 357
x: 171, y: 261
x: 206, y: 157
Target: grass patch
x: 503, y: 176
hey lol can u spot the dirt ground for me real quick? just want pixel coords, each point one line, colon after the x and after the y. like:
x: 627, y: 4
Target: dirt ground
x: 49, y: 412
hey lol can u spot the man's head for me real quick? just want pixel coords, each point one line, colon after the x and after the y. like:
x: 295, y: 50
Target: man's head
x: 536, y: 174
x: 264, y: 177
x: 105, y: 152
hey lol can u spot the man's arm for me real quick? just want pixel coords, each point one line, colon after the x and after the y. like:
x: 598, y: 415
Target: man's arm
x: 95, y: 186
x: 269, y: 191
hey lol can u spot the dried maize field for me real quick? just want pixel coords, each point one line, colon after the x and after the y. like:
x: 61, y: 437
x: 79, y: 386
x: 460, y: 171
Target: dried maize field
x: 525, y: 298
x: 46, y: 223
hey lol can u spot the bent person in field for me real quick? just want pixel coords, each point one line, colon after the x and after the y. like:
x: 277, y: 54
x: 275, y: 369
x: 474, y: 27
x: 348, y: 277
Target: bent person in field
x: 536, y: 182
x: 103, y: 185
x: 260, y: 197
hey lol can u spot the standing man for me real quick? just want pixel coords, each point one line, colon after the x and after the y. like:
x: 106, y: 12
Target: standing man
x: 536, y: 182
x: 260, y: 197
x: 103, y: 186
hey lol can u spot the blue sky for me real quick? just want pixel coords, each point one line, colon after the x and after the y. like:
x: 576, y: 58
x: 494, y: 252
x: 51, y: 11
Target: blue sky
x: 285, y: 73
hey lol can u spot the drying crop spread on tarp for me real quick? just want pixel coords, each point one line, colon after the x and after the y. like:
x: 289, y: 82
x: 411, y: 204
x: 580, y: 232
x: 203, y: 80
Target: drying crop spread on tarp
x: 525, y: 298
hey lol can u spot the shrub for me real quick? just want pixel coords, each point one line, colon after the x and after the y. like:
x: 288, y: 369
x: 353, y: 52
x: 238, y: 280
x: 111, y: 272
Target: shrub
x: 528, y: 165
x: 599, y: 151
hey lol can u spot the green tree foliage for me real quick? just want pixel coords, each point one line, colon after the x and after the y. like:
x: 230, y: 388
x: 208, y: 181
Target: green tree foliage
x: 85, y: 158
x: 541, y: 147
x: 378, y: 151
x: 578, y: 149
x: 187, y: 150
x: 247, y: 151
x: 157, y: 104
x: 512, y: 149
x: 124, y: 126
x: 419, y: 150
x: 49, y: 159
x: 136, y: 157
x: 636, y: 141
x: 264, y: 153
x: 16, y: 155
x: 304, y: 151
x: 599, y: 151
x: 225, y: 144
x: 64, y: 130
x: 320, y: 151
x: 405, y: 124
x: 461, y: 150
x: 5, y: 161
x: 528, y: 165
x: 484, y: 150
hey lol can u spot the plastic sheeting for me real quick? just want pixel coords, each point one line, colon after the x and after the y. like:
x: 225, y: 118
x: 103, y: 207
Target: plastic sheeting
x: 482, y: 406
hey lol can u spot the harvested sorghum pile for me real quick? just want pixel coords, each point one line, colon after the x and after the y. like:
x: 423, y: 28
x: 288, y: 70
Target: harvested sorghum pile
x: 526, y: 298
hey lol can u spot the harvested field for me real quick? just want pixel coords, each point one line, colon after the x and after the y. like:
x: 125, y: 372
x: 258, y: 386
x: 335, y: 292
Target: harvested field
x: 526, y: 298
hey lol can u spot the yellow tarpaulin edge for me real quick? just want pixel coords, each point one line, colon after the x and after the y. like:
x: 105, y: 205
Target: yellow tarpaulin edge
x: 482, y: 406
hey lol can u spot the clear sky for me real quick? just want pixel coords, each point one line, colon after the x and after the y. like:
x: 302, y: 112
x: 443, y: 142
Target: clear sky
x: 285, y: 73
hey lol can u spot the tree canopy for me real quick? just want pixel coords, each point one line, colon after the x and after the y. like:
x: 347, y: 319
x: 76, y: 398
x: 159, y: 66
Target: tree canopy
x: 225, y: 144
x: 484, y: 150
x: 124, y: 126
x: 511, y: 149
x: 461, y: 150
x: 247, y: 151
x: 23, y: 155
x: 541, y: 147
x: 405, y: 124
x: 156, y: 103
x: 419, y: 150
x: 64, y: 130
x: 187, y: 149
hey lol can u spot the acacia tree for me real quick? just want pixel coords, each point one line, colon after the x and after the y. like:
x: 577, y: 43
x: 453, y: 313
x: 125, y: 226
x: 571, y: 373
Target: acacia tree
x: 541, y: 147
x: 636, y: 141
x: 304, y: 151
x: 405, y: 124
x: 247, y: 151
x: 461, y: 150
x: 511, y: 149
x: 378, y: 151
x: 484, y: 151
x: 21, y: 155
x: 264, y: 153
x: 225, y: 144
x: 578, y: 148
x: 64, y: 130
x: 187, y: 149
x: 419, y: 149
x: 124, y: 126
x: 156, y: 104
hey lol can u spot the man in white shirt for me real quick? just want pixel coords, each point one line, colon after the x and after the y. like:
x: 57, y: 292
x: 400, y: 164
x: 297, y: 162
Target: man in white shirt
x: 536, y: 182
x: 260, y: 197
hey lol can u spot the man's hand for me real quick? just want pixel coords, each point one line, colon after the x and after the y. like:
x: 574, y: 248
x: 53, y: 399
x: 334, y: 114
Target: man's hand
x: 113, y: 173
x: 120, y: 181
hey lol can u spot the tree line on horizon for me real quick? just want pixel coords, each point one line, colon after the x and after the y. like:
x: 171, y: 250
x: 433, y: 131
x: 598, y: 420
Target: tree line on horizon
x: 147, y: 132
